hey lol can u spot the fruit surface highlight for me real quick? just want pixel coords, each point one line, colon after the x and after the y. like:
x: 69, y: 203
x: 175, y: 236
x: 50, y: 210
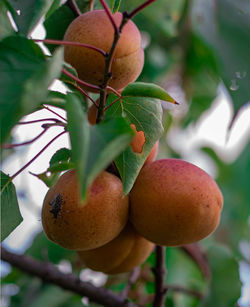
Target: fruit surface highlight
x: 79, y: 226
x: 94, y: 28
x: 174, y: 202
x: 121, y: 255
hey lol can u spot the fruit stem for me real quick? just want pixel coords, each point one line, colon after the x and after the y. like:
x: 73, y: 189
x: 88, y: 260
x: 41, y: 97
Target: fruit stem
x: 67, y: 43
x: 139, y: 8
x: 74, y: 8
x: 37, y: 155
x: 160, y: 275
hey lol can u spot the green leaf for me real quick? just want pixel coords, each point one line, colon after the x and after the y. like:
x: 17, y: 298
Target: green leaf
x: 25, y: 75
x: 10, y: 214
x: 146, y: 115
x: 54, y: 6
x: 5, y: 26
x: 114, y: 5
x: 93, y: 148
x: 78, y: 127
x: 42, y: 247
x: 57, y: 23
x: 225, y: 287
x: 108, y: 139
x: 230, y: 41
x: 31, y: 12
x: 62, y: 154
x: 56, y: 99
x: 150, y: 90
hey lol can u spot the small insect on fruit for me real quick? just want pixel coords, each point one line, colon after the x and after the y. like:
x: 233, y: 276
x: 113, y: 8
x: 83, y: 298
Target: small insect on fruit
x: 56, y: 205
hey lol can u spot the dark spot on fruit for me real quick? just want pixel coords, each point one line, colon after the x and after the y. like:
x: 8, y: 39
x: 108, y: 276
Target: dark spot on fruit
x: 56, y: 205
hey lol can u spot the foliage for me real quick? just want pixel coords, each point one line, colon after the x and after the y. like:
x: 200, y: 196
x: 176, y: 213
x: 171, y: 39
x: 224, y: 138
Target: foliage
x: 191, y: 44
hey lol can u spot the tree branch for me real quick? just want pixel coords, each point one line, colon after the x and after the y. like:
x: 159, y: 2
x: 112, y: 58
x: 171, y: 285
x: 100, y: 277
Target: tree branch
x: 160, y: 274
x: 48, y: 273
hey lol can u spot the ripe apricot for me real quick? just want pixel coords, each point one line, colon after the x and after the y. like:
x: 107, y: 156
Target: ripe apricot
x: 79, y: 226
x: 94, y: 28
x: 174, y: 202
x: 121, y: 255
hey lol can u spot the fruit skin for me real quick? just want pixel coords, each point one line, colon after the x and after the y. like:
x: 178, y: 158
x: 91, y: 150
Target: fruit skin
x: 153, y: 153
x: 94, y: 28
x: 88, y: 225
x: 121, y: 255
x: 174, y: 202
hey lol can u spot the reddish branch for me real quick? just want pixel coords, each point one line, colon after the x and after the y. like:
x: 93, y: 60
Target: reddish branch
x: 48, y: 273
x: 139, y: 8
x: 67, y: 43
x: 37, y: 155
x: 160, y: 274
x: 108, y: 12
x: 195, y: 252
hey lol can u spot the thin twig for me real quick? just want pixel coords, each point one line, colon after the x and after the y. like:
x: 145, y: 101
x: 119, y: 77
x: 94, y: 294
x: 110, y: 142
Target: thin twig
x: 68, y: 43
x: 108, y: 12
x: 139, y: 8
x: 160, y: 274
x: 49, y: 273
x: 38, y: 120
x: 8, y: 146
x: 54, y: 112
x: 92, y: 86
x: 74, y: 8
x: 133, y: 276
x: 86, y: 95
x: 37, y: 155
x: 197, y: 254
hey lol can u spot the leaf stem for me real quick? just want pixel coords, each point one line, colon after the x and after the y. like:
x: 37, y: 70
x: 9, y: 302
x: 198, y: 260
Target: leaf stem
x: 108, y: 12
x: 139, y: 8
x: 8, y: 146
x: 92, y: 86
x: 54, y: 112
x: 68, y: 43
x: 160, y: 274
x: 74, y: 8
x: 37, y: 155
